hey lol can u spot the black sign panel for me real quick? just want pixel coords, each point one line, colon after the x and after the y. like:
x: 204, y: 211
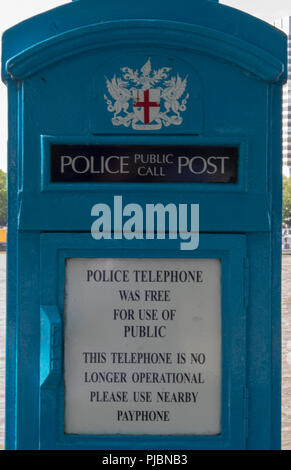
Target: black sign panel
x: 143, y: 164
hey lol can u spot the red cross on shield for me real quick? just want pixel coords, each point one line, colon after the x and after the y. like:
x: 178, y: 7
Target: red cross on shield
x: 146, y: 104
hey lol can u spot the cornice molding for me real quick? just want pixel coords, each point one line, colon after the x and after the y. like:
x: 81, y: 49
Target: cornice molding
x: 217, y: 44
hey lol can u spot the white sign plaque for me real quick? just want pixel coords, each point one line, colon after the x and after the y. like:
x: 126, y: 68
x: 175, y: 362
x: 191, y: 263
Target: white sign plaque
x: 143, y: 346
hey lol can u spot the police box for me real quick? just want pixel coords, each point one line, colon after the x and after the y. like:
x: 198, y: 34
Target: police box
x: 144, y: 227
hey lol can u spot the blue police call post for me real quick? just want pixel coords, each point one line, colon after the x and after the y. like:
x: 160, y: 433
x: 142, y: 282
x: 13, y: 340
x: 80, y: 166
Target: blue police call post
x: 144, y: 227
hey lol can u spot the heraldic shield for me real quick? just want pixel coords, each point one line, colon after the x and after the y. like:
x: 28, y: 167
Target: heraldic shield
x: 157, y: 98
x: 146, y: 104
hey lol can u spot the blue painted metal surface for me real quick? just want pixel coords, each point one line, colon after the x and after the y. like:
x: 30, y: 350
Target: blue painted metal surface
x: 54, y: 65
x: 231, y: 250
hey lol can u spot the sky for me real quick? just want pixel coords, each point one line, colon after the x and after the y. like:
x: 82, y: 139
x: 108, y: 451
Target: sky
x: 267, y: 10
x: 14, y: 11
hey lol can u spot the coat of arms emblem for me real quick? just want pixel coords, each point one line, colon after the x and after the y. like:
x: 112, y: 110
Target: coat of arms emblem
x: 147, y: 99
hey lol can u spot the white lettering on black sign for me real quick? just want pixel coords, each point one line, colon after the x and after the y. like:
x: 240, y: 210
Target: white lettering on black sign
x: 143, y: 164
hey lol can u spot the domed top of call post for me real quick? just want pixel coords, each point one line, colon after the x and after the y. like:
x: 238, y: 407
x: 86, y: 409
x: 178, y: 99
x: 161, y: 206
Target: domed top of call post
x: 24, y: 44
